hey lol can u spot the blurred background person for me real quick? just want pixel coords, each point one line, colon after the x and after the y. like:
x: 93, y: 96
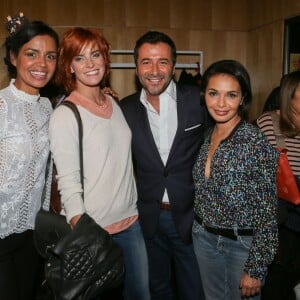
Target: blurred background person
x: 284, y: 273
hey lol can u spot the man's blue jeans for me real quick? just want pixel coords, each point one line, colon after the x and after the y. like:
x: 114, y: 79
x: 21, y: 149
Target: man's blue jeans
x: 136, y: 282
x: 167, y: 253
x: 221, y: 261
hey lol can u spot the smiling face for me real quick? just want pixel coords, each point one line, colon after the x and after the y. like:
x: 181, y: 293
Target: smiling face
x: 223, y: 97
x: 35, y: 64
x: 88, y: 67
x: 155, y: 68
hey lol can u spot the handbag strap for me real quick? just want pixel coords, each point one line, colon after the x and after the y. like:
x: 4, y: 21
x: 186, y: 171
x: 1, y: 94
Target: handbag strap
x: 74, y: 108
x: 280, y: 141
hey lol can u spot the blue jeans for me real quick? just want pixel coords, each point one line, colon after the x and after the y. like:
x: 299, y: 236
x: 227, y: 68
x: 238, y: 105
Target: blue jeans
x: 136, y: 281
x: 221, y: 262
x: 167, y: 252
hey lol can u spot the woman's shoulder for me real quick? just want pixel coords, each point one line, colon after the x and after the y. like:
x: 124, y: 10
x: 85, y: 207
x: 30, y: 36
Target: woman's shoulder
x: 63, y: 116
x: 253, y: 138
x: 46, y: 103
x: 248, y: 130
x: 265, y: 116
x: 5, y: 95
x: 265, y: 120
x: 3, y: 101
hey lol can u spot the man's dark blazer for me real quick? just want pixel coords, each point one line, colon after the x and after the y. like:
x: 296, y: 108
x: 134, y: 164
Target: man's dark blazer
x: 152, y: 176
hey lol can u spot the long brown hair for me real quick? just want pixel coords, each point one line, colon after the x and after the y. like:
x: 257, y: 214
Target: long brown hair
x: 289, y: 85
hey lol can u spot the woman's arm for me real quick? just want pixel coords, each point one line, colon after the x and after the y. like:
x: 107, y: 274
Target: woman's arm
x: 63, y: 133
x: 263, y: 189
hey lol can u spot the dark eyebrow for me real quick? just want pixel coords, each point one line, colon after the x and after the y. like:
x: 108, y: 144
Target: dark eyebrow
x: 228, y: 92
x: 32, y: 49
x: 36, y: 50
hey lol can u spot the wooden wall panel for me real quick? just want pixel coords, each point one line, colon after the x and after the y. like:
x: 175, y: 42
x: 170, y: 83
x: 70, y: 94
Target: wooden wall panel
x: 248, y: 31
x: 229, y: 15
x: 228, y: 45
x: 3, y: 70
x: 90, y: 13
x: 73, y: 12
x: 217, y: 45
x: 265, y: 12
x: 193, y: 14
x: 87, y: 13
x: 34, y: 9
x: 148, y: 13
x: 265, y: 45
x: 114, y: 13
x: 291, y: 8
x: 124, y: 82
x: 264, y: 61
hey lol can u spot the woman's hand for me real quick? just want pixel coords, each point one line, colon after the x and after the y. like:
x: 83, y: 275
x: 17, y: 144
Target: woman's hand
x: 74, y: 220
x: 249, y: 286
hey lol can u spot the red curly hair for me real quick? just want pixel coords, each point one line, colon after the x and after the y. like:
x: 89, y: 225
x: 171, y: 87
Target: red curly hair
x: 73, y: 41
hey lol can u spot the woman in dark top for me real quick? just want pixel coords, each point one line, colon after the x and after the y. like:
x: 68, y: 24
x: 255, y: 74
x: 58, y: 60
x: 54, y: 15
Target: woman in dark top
x: 235, y: 229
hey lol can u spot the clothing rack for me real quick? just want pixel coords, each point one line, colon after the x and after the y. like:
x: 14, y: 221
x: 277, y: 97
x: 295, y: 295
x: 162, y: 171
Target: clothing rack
x: 195, y: 66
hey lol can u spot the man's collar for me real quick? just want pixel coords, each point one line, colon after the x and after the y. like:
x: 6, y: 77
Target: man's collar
x: 170, y: 91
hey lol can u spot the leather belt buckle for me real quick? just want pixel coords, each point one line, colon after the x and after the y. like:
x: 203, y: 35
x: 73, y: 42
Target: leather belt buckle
x: 165, y: 206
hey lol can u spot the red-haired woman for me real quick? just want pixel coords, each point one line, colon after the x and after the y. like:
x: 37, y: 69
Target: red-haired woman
x: 109, y: 188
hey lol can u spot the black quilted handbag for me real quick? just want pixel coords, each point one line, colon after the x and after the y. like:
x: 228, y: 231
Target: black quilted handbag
x: 81, y: 263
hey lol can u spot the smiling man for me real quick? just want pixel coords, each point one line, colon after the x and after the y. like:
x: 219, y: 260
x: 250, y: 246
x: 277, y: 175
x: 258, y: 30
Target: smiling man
x: 167, y: 123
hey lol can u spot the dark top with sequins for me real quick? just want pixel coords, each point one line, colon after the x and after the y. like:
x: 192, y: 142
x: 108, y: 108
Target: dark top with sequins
x: 241, y: 191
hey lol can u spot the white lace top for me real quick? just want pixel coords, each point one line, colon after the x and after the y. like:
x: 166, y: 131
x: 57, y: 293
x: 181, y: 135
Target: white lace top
x: 24, y: 148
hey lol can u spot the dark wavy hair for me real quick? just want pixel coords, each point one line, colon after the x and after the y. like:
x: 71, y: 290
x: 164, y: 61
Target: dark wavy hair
x: 289, y: 85
x: 154, y: 37
x: 72, y: 42
x: 14, y: 42
x: 273, y: 100
x: 236, y: 70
